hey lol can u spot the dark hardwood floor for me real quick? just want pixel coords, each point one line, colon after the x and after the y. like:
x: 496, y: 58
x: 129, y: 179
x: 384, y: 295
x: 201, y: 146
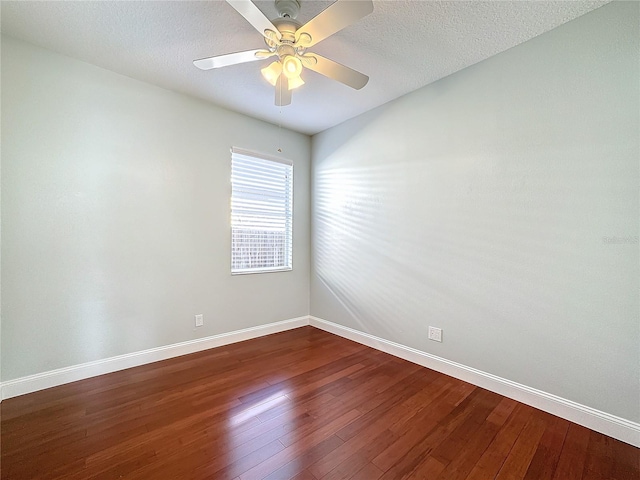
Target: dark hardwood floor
x: 301, y: 404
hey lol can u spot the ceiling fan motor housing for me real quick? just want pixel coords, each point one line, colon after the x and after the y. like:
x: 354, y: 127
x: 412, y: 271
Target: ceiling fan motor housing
x: 287, y: 28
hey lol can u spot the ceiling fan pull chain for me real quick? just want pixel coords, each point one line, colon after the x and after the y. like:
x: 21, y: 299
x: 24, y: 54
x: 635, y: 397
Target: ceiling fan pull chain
x: 280, y: 123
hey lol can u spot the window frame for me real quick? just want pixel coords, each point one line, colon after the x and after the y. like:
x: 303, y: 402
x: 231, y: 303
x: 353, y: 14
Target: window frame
x: 288, y: 216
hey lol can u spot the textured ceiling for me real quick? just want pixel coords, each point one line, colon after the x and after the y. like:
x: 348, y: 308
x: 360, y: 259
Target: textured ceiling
x: 403, y: 45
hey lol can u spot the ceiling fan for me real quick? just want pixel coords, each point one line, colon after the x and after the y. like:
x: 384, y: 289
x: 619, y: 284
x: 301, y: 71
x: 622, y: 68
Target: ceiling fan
x: 288, y: 40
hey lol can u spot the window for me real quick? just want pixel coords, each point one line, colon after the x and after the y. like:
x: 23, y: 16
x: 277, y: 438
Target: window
x: 261, y: 213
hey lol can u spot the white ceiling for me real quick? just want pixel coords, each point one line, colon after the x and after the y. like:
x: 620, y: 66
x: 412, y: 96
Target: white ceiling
x: 403, y: 45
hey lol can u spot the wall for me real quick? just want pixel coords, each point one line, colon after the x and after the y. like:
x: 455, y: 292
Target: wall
x: 115, y: 216
x: 500, y: 204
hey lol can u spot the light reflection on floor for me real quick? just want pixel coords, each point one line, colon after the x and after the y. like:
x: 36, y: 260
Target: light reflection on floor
x: 254, y: 410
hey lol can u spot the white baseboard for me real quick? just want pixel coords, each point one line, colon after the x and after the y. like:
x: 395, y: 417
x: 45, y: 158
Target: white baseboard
x: 616, y: 427
x: 52, y: 378
x: 611, y: 425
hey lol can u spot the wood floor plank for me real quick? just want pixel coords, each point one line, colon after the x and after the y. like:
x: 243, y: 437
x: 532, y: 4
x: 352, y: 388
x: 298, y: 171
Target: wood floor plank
x: 368, y: 472
x: 354, y: 446
x: 246, y: 463
x: 599, y: 461
x: 476, y: 443
x: 545, y: 460
x: 302, y: 404
x: 352, y: 464
x: 295, y: 466
x: 443, y: 442
x: 625, y: 462
x: 427, y: 429
x: 304, y: 475
x: 494, y: 456
x: 574, y: 450
x: 519, y: 458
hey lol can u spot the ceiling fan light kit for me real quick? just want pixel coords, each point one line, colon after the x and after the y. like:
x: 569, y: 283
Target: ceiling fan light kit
x: 288, y: 40
x: 291, y: 66
x: 272, y: 72
x: 295, y: 82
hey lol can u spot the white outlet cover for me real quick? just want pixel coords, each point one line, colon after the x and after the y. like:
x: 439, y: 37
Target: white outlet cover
x: 435, y: 334
x: 199, y: 320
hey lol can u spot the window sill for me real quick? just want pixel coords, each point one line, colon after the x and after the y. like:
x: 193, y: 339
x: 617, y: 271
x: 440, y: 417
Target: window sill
x: 261, y: 270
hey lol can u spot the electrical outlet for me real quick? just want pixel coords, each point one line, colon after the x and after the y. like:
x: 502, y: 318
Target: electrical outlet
x: 435, y: 334
x: 199, y: 320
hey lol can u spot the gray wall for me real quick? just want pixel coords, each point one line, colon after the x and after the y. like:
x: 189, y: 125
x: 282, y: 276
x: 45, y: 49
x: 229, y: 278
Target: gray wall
x: 486, y: 204
x: 115, y: 216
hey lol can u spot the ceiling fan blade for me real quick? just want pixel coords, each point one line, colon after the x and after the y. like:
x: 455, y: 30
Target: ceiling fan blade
x: 336, y: 71
x: 254, y: 16
x: 283, y: 94
x: 336, y: 17
x: 231, y: 59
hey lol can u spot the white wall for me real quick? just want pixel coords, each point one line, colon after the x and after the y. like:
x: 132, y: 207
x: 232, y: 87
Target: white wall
x: 115, y: 216
x: 485, y: 204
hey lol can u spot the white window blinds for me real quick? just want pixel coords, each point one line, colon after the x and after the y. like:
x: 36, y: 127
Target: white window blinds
x: 261, y: 213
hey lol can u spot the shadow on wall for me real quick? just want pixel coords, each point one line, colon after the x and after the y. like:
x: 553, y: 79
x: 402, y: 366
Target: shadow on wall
x: 472, y: 245
x: 386, y: 253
